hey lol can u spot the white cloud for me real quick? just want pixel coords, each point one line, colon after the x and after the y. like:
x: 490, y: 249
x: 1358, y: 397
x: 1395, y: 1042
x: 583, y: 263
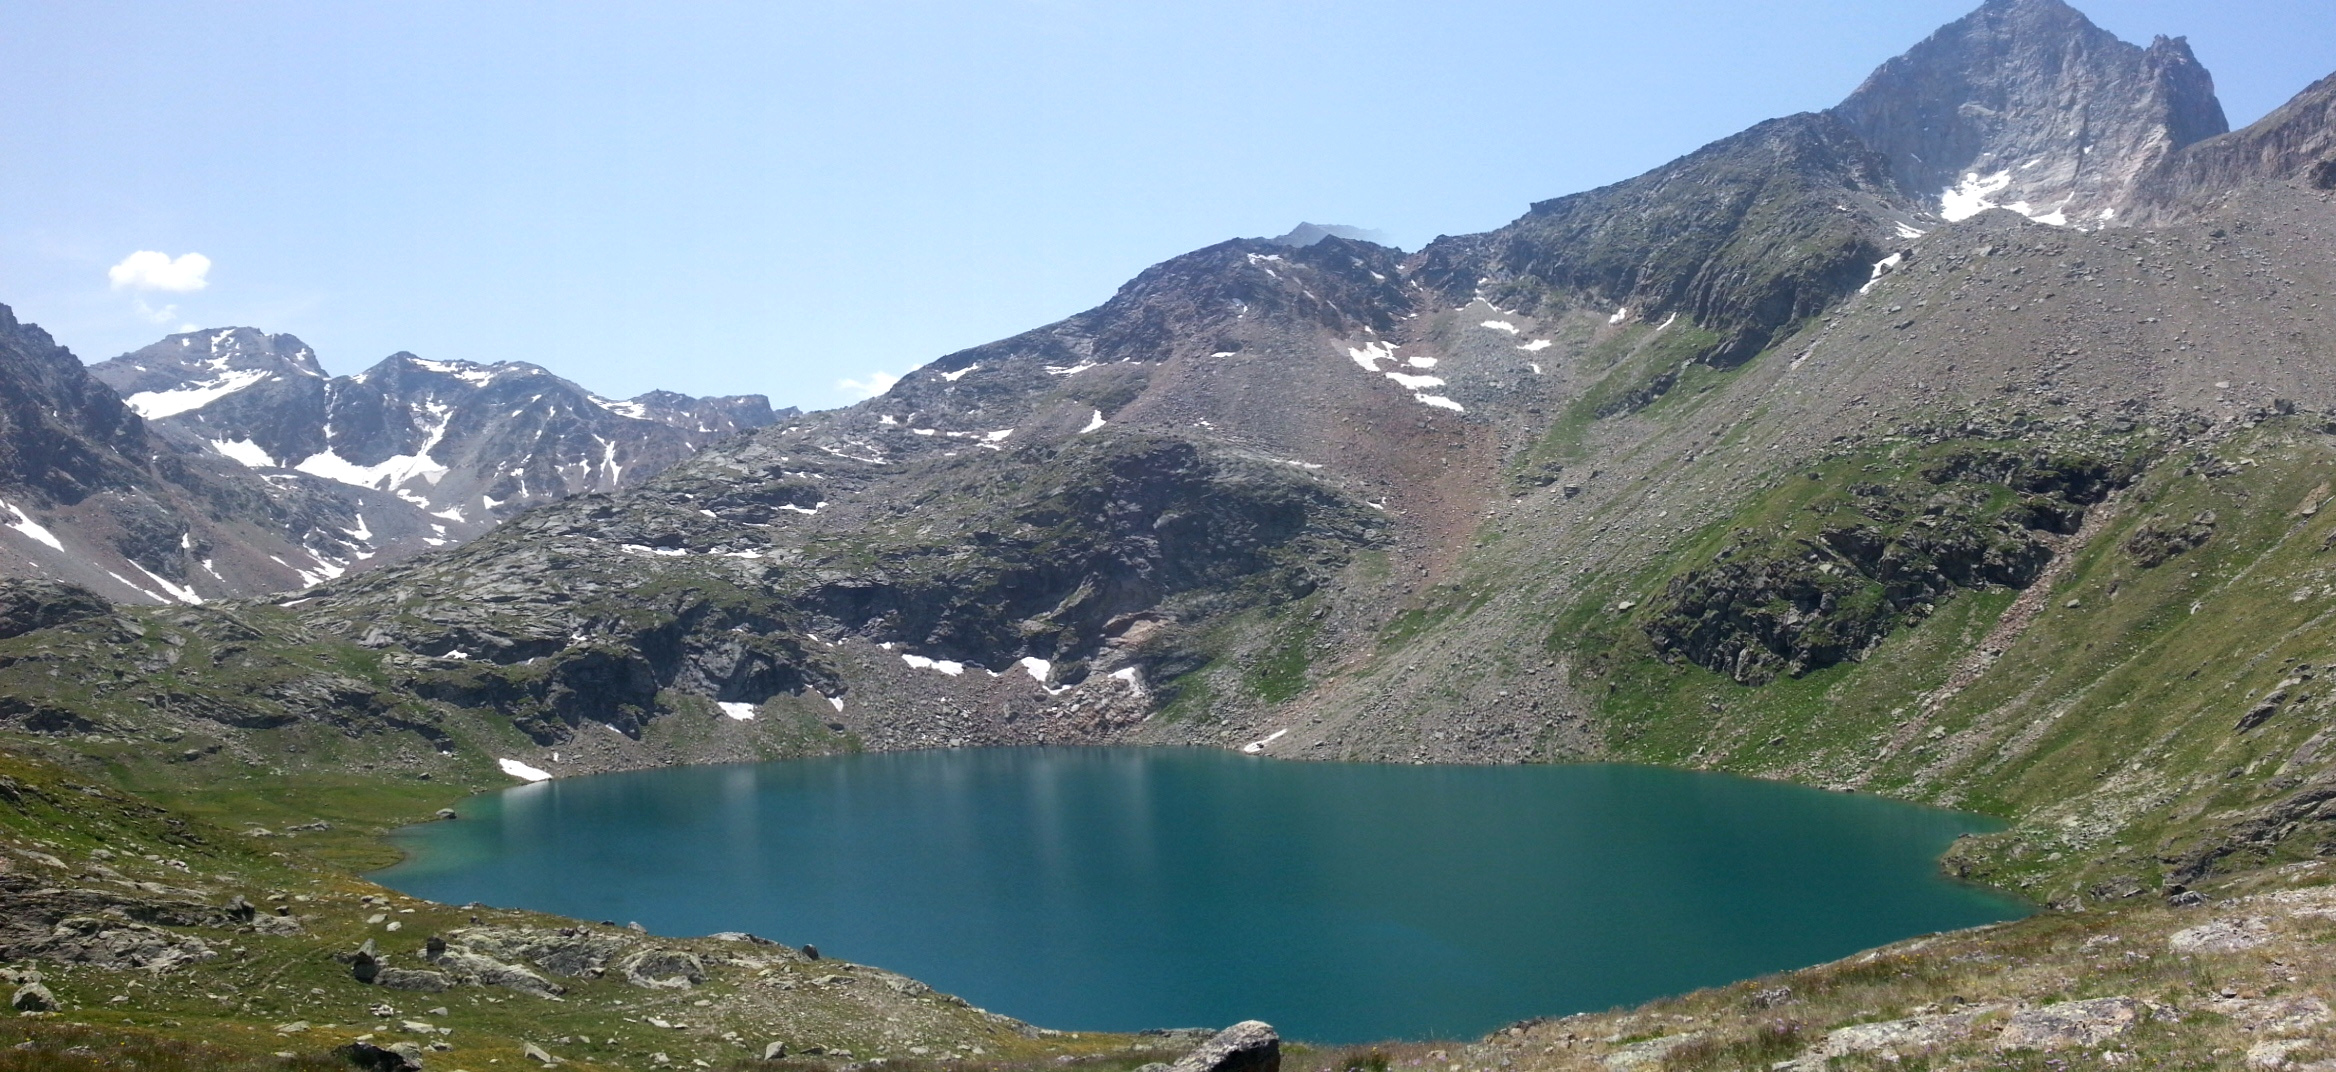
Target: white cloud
x: 147, y: 312
x: 148, y: 270
x: 877, y: 383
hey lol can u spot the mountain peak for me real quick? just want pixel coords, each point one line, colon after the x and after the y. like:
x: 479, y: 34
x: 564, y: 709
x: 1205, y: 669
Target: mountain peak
x: 2027, y: 105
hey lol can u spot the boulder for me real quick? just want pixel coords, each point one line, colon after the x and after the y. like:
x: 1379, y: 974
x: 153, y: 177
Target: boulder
x: 33, y: 997
x: 1248, y: 1046
x: 536, y: 1053
x: 663, y: 969
x: 774, y: 1051
x: 2070, y: 1023
x: 403, y: 1057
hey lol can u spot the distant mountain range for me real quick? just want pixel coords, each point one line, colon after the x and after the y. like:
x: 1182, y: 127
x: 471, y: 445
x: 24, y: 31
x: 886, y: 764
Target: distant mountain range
x: 226, y: 463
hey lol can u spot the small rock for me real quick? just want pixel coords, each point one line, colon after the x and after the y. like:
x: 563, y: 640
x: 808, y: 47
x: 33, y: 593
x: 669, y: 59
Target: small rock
x: 446, y: 813
x: 1248, y: 1046
x: 293, y: 1028
x: 535, y: 1053
x: 774, y: 1051
x: 2070, y: 1023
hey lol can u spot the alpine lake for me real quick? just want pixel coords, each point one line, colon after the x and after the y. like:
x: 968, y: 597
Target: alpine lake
x: 1116, y: 889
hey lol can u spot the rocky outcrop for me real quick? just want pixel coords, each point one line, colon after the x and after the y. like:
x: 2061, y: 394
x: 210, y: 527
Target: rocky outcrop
x: 2160, y: 539
x: 29, y: 605
x: 1883, y: 556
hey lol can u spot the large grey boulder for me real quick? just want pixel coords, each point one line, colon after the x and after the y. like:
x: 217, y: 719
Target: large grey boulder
x: 1248, y: 1046
x: 33, y: 997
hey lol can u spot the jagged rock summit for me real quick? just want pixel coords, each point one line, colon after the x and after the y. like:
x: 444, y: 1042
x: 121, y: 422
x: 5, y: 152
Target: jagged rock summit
x: 2026, y: 105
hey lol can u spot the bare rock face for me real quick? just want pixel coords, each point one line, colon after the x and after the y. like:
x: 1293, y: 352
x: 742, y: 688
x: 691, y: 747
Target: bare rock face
x: 2025, y: 104
x: 1248, y: 1046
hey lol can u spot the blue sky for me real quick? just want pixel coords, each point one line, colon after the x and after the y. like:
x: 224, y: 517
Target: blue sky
x: 775, y: 197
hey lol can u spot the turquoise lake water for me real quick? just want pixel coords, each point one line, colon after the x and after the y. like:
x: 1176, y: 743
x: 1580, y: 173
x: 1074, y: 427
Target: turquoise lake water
x: 1120, y: 889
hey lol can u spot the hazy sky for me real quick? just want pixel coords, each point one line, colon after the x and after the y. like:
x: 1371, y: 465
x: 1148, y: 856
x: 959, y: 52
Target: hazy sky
x: 777, y: 196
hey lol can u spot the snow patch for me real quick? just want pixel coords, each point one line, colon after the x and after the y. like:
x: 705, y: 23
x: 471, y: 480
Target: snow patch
x: 1500, y: 325
x: 743, y: 712
x: 155, y: 405
x: 1976, y: 194
x: 525, y: 773
x: 177, y: 592
x: 1370, y: 356
x: 1440, y: 402
x: 1255, y: 747
x: 245, y: 451
x: 1535, y: 366
x: 1069, y: 370
x: 1039, y: 668
x: 838, y: 701
x: 1420, y: 362
x: 998, y: 436
x: 1536, y: 346
x: 1093, y: 423
x: 946, y: 666
x: 1131, y: 675
x: 1415, y: 383
x: 461, y: 370
x: 1910, y: 231
x: 1973, y: 195
x: 822, y: 505
x: 633, y: 410
x: 33, y: 529
x: 1619, y: 316
x: 1883, y: 267
x: 960, y: 374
